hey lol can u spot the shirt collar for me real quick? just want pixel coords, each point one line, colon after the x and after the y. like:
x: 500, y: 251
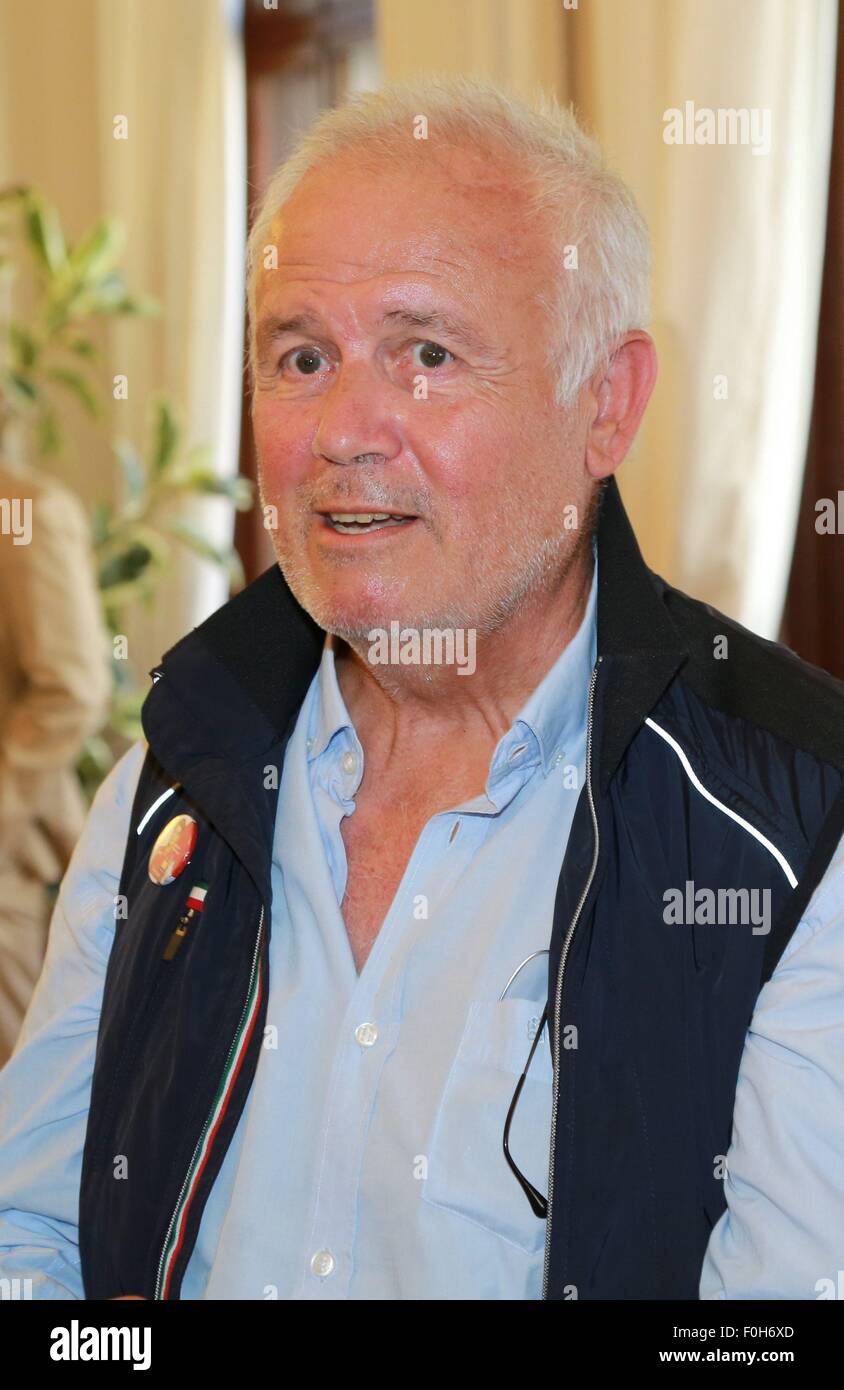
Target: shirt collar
x: 554, y: 715
x: 329, y: 715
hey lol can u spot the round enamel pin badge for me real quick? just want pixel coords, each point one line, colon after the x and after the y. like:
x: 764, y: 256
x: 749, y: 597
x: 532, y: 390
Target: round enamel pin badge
x: 170, y: 855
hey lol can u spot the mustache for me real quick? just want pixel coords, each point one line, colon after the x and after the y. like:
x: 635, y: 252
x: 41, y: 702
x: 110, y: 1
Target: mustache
x: 370, y: 494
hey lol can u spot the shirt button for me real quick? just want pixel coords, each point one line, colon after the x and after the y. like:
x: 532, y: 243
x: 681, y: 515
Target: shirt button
x: 350, y: 762
x: 366, y: 1034
x: 322, y: 1263
x: 309, y: 745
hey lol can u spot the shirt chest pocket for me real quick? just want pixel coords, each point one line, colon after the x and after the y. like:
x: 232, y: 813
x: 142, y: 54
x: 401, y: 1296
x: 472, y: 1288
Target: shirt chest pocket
x: 467, y: 1171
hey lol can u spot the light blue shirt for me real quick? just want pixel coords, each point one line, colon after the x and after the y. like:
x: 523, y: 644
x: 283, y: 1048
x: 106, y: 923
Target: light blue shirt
x: 367, y: 1162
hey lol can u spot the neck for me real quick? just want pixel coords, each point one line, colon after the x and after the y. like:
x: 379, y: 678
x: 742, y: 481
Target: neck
x: 404, y: 715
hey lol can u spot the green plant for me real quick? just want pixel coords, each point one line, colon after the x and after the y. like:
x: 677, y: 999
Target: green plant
x: 73, y: 284
x: 50, y: 354
x: 134, y: 544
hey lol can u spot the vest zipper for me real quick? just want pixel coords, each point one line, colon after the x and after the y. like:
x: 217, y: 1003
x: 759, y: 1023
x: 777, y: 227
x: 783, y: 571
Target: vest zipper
x: 558, y: 997
x: 221, y: 1098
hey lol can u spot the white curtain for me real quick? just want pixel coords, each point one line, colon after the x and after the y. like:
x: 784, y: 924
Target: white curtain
x: 712, y: 484
x: 175, y: 72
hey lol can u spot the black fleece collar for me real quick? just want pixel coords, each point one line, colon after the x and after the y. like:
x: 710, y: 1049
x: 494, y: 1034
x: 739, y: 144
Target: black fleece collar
x: 639, y: 646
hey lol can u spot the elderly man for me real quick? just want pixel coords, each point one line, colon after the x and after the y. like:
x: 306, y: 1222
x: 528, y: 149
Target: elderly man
x: 322, y: 922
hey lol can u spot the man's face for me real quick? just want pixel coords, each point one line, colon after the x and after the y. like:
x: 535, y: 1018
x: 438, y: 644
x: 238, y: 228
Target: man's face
x: 413, y: 382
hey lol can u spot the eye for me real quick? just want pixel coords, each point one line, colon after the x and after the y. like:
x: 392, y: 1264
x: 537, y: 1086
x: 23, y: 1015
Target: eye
x: 307, y: 360
x: 432, y: 350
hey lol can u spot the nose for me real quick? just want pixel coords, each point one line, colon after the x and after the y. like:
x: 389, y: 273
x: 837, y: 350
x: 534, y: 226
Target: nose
x: 356, y: 424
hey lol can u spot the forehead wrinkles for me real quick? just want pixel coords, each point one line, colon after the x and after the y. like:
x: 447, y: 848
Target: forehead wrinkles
x: 310, y: 236
x: 414, y: 303
x: 340, y: 271
x: 396, y: 258
x: 435, y: 216
x: 475, y: 281
x: 392, y: 282
x: 469, y: 244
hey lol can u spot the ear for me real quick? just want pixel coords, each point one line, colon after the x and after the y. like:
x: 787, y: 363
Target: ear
x: 616, y: 399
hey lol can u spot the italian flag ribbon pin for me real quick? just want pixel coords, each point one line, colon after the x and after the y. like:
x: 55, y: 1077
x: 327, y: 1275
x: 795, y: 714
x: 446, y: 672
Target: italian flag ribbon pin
x: 197, y: 895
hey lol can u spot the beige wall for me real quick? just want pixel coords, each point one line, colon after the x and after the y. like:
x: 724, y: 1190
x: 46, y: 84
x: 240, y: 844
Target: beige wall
x: 49, y: 137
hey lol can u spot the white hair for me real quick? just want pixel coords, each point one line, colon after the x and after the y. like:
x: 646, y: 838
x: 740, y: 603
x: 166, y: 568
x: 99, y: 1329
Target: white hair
x: 601, y: 242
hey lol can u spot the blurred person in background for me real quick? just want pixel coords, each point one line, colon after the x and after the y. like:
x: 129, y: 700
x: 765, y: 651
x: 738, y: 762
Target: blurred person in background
x: 54, y: 692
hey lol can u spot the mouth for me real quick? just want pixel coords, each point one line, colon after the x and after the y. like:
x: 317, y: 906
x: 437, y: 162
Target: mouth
x: 351, y: 523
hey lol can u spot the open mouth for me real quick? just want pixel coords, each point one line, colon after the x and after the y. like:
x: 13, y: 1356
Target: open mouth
x: 361, y: 523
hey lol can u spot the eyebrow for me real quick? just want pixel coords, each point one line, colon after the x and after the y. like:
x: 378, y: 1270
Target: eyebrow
x: 276, y: 326
x: 445, y: 324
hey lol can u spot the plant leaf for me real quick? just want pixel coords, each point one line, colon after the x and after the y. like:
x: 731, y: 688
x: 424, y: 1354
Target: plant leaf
x: 45, y: 235
x: 49, y: 434
x: 124, y: 566
x: 101, y: 295
x: 83, y: 347
x: 156, y: 543
x: 24, y: 346
x: 118, y: 596
x: 20, y: 390
x: 225, y: 557
x: 77, y: 383
x: 196, y: 542
x: 165, y: 433
x: 101, y: 523
x: 96, y: 253
x: 142, y: 305
x: 238, y: 490
x: 132, y: 469
x: 109, y: 297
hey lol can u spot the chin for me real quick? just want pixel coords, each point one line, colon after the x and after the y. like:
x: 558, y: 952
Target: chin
x: 351, y: 620
x: 354, y: 621
x: 354, y: 610
x: 351, y: 610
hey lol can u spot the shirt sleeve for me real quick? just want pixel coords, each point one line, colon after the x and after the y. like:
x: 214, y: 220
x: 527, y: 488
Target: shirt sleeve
x: 45, y: 1086
x: 782, y: 1235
